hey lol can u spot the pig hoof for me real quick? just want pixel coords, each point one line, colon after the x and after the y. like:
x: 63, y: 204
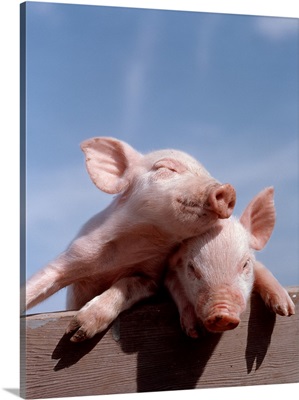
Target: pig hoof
x: 281, y: 304
x: 285, y: 310
x: 192, y: 333
x: 195, y: 332
x: 72, y: 326
x: 88, y: 322
x: 81, y: 332
x: 189, y: 323
x: 79, y: 336
x: 201, y: 332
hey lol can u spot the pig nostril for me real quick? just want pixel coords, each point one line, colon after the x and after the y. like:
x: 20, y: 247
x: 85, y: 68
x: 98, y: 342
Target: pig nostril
x: 219, y: 196
x: 231, y: 204
x: 221, y: 323
x: 222, y: 200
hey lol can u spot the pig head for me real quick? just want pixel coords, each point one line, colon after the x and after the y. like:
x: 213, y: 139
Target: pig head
x: 166, y: 183
x: 211, y: 276
x: 118, y: 256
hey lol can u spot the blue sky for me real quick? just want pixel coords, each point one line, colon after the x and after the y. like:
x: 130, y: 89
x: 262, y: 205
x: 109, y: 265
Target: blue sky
x: 222, y: 87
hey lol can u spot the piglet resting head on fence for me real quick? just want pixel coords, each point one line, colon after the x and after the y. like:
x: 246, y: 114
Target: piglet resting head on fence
x: 211, y: 276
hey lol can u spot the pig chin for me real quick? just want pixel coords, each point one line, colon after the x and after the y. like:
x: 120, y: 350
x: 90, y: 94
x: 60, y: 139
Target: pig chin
x: 202, y: 218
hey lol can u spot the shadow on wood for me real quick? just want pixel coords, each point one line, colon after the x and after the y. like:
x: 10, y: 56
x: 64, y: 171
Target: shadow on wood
x: 145, y: 350
x: 69, y: 353
x: 260, y: 327
x: 166, y: 358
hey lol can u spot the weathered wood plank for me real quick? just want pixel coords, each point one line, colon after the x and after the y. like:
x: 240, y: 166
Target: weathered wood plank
x: 145, y: 350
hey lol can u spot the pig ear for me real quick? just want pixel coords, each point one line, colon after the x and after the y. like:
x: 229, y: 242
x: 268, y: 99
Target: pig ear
x: 109, y: 163
x: 259, y: 218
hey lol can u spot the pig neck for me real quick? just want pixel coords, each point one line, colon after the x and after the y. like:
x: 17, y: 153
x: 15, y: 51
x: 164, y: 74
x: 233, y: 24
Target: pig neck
x: 120, y: 238
x: 142, y: 243
x: 142, y: 236
x: 130, y: 224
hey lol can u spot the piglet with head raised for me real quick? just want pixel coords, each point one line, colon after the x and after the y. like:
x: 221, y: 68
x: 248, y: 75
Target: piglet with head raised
x: 211, y: 276
x: 118, y: 256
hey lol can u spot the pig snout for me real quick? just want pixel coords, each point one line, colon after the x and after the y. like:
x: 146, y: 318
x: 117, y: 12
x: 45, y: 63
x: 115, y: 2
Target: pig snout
x: 223, y: 309
x: 221, y: 321
x: 222, y: 200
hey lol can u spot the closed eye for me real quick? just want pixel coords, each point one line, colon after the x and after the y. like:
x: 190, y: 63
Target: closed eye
x: 170, y: 164
x: 168, y: 167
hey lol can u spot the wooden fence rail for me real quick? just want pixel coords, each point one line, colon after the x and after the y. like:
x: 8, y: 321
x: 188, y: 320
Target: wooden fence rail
x: 145, y: 350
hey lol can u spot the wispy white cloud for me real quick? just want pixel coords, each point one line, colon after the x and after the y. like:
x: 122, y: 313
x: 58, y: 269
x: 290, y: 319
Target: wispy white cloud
x: 206, y: 36
x: 137, y: 69
x: 277, y: 29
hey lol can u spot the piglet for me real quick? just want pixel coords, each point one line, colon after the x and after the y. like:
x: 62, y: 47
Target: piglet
x: 210, y: 277
x: 118, y: 256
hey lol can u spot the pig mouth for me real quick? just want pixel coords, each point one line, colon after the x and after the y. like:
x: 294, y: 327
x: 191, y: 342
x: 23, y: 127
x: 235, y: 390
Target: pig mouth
x: 191, y: 207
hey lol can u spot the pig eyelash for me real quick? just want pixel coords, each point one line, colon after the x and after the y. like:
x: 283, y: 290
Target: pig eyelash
x: 169, y: 169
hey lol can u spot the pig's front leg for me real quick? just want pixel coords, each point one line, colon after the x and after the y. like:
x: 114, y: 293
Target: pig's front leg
x: 55, y: 276
x: 274, y: 295
x: 102, y: 310
x: 81, y: 259
x: 189, y: 321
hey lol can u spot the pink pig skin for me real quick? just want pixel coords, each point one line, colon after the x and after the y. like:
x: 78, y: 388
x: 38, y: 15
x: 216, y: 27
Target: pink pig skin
x: 210, y: 277
x: 117, y: 258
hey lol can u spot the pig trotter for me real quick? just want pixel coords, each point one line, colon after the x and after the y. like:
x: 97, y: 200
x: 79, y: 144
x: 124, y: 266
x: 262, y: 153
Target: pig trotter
x: 95, y: 316
x: 83, y: 329
x: 190, y: 323
x: 79, y: 336
x: 87, y: 323
x: 280, y: 303
x: 193, y: 331
x: 274, y: 295
x: 102, y: 310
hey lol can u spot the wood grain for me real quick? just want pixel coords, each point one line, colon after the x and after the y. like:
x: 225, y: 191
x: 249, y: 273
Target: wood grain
x: 145, y: 350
